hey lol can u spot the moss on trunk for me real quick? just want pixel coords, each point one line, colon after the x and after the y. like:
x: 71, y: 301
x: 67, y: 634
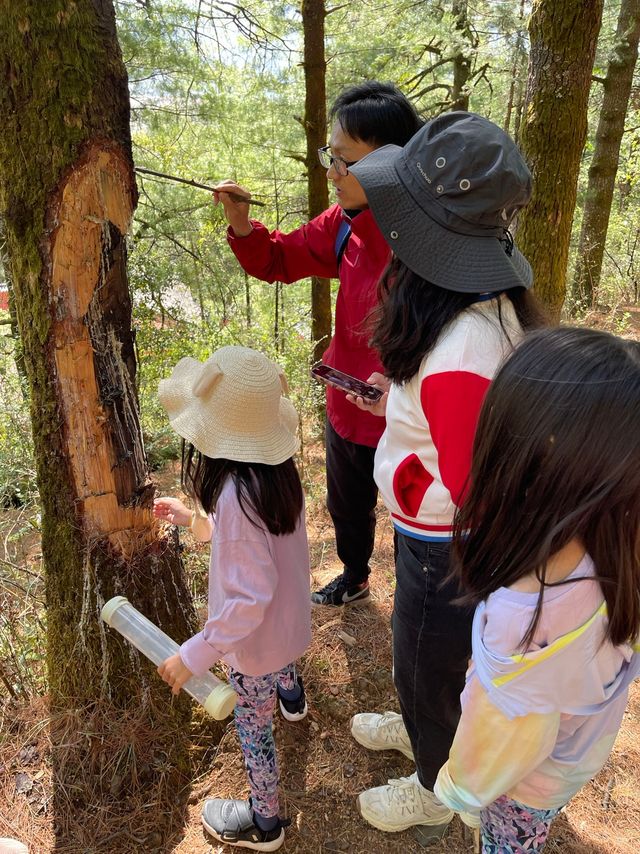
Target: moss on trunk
x: 563, y: 42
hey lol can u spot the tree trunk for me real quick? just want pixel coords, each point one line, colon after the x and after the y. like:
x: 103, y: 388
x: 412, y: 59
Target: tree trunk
x: 604, y: 163
x: 315, y: 126
x: 67, y: 194
x: 514, y: 101
x: 461, y: 60
x: 563, y: 42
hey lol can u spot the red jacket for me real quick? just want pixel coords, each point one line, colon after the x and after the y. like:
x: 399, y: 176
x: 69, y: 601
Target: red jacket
x: 310, y: 251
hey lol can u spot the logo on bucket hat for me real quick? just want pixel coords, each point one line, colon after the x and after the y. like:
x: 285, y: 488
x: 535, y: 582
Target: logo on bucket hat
x: 444, y: 202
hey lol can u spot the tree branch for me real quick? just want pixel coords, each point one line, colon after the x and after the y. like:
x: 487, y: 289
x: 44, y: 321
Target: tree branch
x: 235, y: 196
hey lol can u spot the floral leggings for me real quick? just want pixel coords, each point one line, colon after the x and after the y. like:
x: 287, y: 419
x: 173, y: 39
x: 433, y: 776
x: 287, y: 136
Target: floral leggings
x: 509, y: 827
x: 254, y: 723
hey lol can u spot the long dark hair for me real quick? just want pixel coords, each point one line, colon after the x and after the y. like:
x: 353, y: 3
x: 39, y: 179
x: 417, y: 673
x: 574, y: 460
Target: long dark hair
x: 412, y: 314
x: 272, y: 493
x: 556, y: 458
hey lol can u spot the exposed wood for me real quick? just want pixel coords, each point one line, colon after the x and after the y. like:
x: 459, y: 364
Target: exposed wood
x: 95, y: 371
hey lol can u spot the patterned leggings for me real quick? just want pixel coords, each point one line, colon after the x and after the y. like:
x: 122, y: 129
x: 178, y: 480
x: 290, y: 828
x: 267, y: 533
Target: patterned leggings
x: 509, y: 827
x: 254, y: 723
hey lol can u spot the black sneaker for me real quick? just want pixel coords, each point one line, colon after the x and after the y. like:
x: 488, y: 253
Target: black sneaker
x: 231, y: 822
x: 294, y: 710
x: 336, y: 592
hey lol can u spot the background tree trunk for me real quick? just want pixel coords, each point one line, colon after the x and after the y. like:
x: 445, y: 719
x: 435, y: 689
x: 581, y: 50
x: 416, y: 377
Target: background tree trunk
x: 563, y: 42
x: 516, y: 86
x: 67, y: 194
x: 315, y: 127
x: 604, y: 163
x: 461, y: 60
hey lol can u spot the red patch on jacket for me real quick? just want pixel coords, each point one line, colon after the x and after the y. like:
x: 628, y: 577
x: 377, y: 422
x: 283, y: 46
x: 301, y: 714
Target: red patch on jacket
x: 410, y: 482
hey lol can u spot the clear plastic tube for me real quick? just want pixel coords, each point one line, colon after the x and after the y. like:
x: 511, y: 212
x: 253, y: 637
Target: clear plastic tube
x: 217, y: 697
x: 12, y: 846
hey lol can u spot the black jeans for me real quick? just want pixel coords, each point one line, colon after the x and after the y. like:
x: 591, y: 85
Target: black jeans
x: 352, y: 495
x: 431, y: 651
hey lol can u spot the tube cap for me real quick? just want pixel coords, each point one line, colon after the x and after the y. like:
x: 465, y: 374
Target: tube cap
x: 110, y: 607
x: 12, y: 846
x: 221, y: 702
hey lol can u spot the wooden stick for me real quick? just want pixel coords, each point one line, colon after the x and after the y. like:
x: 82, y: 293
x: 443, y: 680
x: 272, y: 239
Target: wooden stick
x: 235, y: 196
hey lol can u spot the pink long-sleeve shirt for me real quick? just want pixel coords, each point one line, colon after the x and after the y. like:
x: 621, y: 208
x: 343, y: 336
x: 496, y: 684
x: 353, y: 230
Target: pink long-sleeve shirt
x: 259, y: 595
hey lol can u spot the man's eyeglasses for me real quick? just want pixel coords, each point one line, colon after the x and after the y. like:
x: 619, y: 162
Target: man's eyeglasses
x: 339, y: 163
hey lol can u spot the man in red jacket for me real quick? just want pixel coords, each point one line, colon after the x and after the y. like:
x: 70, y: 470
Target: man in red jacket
x: 365, y: 117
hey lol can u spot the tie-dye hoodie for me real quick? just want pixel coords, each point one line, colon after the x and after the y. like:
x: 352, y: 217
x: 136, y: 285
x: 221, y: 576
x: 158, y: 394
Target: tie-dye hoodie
x: 538, y: 725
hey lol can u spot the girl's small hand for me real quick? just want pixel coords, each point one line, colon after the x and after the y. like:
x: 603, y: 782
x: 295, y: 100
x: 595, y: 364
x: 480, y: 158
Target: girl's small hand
x: 378, y: 407
x: 236, y: 213
x: 171, y: 510
x: 174, y: 672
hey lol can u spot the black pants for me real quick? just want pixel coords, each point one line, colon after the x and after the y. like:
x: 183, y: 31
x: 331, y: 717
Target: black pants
x: 351, y: 500
x: 431, y: 651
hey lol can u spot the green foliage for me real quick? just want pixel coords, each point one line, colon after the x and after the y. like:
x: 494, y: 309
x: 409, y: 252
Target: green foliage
x: 22, y: 621
x: 214, y: 98
x: 17, y: 469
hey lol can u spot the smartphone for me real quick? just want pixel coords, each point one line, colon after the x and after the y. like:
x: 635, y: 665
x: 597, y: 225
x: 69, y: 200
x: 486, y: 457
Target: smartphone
x: 345, y: 382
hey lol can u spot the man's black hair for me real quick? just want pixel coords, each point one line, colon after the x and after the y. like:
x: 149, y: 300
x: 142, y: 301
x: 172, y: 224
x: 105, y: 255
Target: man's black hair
x: 376, y: 113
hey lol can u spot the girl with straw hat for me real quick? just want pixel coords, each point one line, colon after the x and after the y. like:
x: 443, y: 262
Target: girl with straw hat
x: 239, y: 437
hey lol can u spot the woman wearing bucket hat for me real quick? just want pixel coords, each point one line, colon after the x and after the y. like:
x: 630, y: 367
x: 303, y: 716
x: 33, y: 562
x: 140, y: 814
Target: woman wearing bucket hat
x: 239, y: 437
x: 454, y: 303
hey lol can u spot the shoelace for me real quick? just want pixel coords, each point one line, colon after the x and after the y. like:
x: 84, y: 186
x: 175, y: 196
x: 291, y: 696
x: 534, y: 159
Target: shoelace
x: 390, y: 723
x: 331, y: 586
x: 399, y: 786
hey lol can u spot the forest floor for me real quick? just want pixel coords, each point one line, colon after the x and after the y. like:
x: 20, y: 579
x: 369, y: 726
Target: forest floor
x: 346, y: 670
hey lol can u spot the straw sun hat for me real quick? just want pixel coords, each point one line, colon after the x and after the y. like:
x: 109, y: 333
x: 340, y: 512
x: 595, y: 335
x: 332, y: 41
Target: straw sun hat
x: 231, y: 407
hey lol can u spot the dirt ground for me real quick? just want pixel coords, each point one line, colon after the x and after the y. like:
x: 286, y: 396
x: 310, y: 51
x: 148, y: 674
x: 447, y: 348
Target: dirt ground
x: 346, y: 670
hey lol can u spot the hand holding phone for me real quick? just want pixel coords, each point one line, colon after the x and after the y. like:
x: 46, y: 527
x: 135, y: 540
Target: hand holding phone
x: 345, y: 382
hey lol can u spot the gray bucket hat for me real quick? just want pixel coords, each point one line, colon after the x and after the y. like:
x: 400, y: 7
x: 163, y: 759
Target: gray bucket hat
x: 444, y: 202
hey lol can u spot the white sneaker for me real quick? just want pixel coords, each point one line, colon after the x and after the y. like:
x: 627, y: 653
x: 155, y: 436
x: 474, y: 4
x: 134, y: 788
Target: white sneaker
x: 381, y: 732
x: 402, y: 804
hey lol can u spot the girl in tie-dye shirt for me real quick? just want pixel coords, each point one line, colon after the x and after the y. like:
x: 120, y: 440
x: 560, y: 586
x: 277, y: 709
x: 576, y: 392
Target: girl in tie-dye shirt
x: 548, y: 545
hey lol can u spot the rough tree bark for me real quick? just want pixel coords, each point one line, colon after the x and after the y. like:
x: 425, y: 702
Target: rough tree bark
x: 604, y: 163
x: 461, y: 60
x: 315, y: 127
x: 563, y: 42
x: 67, y: 195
